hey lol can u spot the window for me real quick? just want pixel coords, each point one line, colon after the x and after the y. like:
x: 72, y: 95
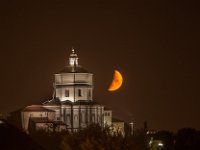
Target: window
x: 83, y: 117
x: 89, y: 93
x: 66, y: 93
x: 79, y: 92
x: 93, y: 118
x: 99, y: 118
x: 75, y: 117
x: 68, y: 118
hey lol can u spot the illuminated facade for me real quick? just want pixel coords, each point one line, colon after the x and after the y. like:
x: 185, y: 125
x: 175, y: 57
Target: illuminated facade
x: 73, y: 83
x: 72, y: 101
x: 72, y: 106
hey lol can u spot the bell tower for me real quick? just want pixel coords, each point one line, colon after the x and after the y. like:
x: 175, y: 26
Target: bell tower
x: 73, y: 83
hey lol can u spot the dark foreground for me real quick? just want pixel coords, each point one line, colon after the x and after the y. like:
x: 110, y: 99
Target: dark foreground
x: 96, y: 138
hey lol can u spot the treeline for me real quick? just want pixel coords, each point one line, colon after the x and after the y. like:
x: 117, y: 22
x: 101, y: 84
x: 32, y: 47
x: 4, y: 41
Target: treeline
x: 92, y: 138
x: 96, y: 138
x: 184, y: 139
x: 12, y: 138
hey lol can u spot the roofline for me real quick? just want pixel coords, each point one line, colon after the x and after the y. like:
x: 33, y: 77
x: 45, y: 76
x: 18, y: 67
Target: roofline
x: 73, y: 73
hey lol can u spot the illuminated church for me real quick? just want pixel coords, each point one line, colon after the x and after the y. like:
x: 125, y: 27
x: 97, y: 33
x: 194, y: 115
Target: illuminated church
x: 72, y: 107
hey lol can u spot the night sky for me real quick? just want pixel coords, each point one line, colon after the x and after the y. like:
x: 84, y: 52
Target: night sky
x: 154, y: 44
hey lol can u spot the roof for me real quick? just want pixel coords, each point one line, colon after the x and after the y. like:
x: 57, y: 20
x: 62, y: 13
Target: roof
x: 85, y: 102
x: 73, y: 69
x: 67, y: 102
x: 37, y: 108
x: 56, y: 101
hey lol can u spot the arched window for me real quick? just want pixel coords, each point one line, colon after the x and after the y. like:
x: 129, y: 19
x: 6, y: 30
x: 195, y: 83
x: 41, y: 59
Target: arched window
x: 68, y: 120
x: 93, y: 118
x: 89, y: 93
x: 66, y: 93
x: 83, y: 117
x: 75, y: 117
x: 79, y: 92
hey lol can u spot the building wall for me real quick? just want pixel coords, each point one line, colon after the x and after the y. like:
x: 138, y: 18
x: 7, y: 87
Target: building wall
x: 74, y: 86
x: 79, y: 116
x: 118, y: 128
x: 69, y: 92
x: 107, y: 117
x: 25, y: 115
x: 74, y: 116
x: 43, y: 126
x: 71, y: 78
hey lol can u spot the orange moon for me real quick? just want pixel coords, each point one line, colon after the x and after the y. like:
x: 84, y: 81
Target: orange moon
x: 117, y: 81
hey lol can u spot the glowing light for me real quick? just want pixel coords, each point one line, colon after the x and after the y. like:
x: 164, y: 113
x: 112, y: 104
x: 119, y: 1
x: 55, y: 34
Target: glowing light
x: 117, y: 81
x: 160, y: 144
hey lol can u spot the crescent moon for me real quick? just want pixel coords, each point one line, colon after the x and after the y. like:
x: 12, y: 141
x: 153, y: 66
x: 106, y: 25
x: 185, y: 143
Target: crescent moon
x: 117, y: 81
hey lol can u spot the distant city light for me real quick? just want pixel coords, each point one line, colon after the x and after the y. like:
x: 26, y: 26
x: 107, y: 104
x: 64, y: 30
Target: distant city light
x: 160, y: 144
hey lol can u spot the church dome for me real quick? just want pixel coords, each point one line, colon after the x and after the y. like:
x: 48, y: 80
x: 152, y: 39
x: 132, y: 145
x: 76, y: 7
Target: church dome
x: 73, y: 66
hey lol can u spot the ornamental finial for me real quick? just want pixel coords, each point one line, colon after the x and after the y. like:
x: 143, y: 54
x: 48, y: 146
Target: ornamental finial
x: 73, y: 58
x: 73, y: 50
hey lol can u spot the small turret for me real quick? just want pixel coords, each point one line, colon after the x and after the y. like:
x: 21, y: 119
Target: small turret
x: 73, y: 59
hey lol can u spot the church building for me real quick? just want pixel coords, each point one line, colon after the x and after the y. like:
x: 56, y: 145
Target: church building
x: 72, y: 107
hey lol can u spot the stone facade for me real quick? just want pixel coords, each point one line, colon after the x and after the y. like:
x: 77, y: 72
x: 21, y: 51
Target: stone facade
x: 72, y: 106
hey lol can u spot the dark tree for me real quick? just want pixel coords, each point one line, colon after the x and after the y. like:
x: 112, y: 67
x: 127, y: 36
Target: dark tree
x: 12, y: 138
x: 167, y: 138
x: 187, y: 139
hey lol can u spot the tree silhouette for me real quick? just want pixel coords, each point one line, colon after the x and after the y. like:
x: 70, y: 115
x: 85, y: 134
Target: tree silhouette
x: 167, y: 139
x: 187, y: 139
